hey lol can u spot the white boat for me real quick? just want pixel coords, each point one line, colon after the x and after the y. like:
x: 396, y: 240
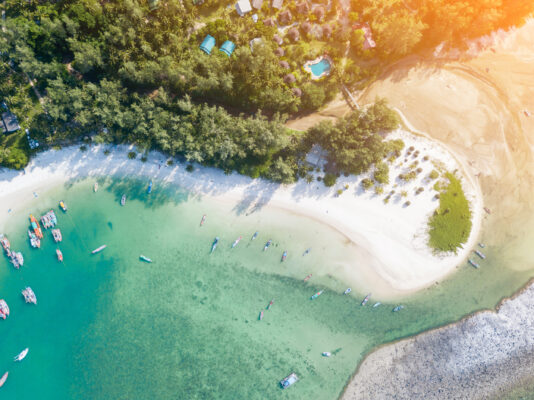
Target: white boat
x: 22, y: 355
x: 376, y: 304
x: 145, y: 258
x: 236, y: 242
x: 56, y: 233
x: 3, y: 379
x: 326, y: 354
x: 4, y: 309
x: 347, y: 291
x: 95, y: 187
x: 366, y: 299
x: 123, y: 200
x: 98, y: 250
x: 29, y: 296
x: 289, y: 380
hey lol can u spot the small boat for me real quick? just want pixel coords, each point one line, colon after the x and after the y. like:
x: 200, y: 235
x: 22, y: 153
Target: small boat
x: 145, y: 258
x: 56, y: 233
x: 269, y: 242
x: 317, y: 295
x: 149, y: 190
x: 99, y: 249
x: 376, y: 304
x: 307, y: 278
x: 59, y: 255
x: 366, y: 299
x: 203, y: 220
x: 270, y: 304
x: 16, y: 259
x: 34, y: 240
x: 487, y: 210
x: 261, y: 315
x: 3, y: 379
x: 236, y: 242
x: 347, y: 291
x: 63, y: 206
x: 481, y: 245
x: 306, y: 252
x: 35, y: 226
x: 95, y: 187
x: 398, y: 308
x: 255, y: 235
x: 473, y: 263
x: 4, y: 309
x: 289, y: 380
x: 480, y: 254
x: 214, y: 244
x: 326, y: 354
x: 284, y: 256
x: 21, y: 355
x: 123, y: 200
x: 29, y: 296
x: 5, y: 243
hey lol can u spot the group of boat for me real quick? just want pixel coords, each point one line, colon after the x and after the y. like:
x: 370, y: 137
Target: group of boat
x: 49, y: 220
x: 19, y: 357
x: 15, y: 257
x: 29, y: 295
x: 481, y: 255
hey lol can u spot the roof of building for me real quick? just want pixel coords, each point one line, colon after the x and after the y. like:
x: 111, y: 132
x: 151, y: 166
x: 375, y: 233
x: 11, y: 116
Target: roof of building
x: 207, y: 44
x: 293, y: 34
x: 327, y: 31
x: 227, y: 48
x: 306, y: 27
x: 257, y: 4
x: 296, y: 91
x: 254, y: 42
x: 243, y: 7
x: 268, y: 22
x: 284, y: 17
x: 316, y: 156
x: 10, y: 122
x: 279, y: 52
x: 302, y: 7
x: 289, y: 78
x: 277, y: 4
x: 319, y: 12
x: 284, y: 64
x: 278, y: 39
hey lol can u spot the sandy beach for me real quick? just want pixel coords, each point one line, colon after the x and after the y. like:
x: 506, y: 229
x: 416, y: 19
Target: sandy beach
x: 391, y: 239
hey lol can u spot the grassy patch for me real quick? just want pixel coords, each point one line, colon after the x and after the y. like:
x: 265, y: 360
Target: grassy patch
x: 451, y: 223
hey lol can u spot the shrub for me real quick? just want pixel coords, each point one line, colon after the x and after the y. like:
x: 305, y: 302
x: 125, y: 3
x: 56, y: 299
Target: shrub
x: 379, y: 189
x: 339, y: 192
x: 107, y: 152
x: 83, y: 148
x: 419, y: 170
x: 381, y: 174
x: 132, y: 155
x: 330, y: 179
x: 144, y: 159
x: 410, y: 176
x: 426, y: 158
x: 170, y: 162
x: 411, y: 148
x: 367, y: 183
x: 419, y: 190
x: 319, y: 179
x: 346, y: 186
x: 414, y: 165
x: 407, y: 203
x: 433, y: 174
x: 16, y: 158
x: 189, y: 168
x: 404, y: 193
x: 386, y: 200
x: 309, y: 178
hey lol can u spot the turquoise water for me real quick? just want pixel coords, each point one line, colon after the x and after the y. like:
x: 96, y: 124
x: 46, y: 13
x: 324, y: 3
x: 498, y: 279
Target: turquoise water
x: 319, y: 68
x: 109, y: 326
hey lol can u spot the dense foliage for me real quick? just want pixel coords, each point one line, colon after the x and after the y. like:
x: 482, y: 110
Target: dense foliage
x: 451, y: 223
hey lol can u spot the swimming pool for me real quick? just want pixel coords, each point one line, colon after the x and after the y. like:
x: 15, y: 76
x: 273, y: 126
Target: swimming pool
x: 318, y: 67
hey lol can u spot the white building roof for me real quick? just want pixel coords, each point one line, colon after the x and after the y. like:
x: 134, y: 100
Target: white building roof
x: 243, y: 7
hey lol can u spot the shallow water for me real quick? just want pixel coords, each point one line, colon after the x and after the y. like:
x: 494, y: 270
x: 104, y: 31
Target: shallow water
x: 186, y: 326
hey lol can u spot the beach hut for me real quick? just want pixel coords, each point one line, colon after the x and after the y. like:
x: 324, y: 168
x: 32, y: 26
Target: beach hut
x: 293, y: 34
x: 243, y: 7
x: 228, y: 48
x: 296, y: 92
x: 284, y: 64
x: 289, y: 78
x: 207, y: 44
x: 277, y: 4
x: 285, y: 17
x: 279, y: 52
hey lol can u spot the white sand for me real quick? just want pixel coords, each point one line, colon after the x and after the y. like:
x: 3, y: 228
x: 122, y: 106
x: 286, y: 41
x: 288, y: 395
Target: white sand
x: 393, y: 236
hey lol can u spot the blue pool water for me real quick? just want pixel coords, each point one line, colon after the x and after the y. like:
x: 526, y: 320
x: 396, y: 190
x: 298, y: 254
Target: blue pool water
x: 319, y: 68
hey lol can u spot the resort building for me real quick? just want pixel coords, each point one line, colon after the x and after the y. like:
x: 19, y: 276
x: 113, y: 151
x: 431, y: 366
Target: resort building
x: 293, y: 34
x: 285, y: 17
x: 316, y: 157
x: 207, y: 44
x: 243, y: 7
x: 277, y: 4
x: 327, y: 31
x: 302, y: 7
x: 10, y: 123
x: 319, y: 12
x: 279, y: 52
x: 257, y: 4
x: 254, y: 42
x: 289, y: 78
x: 284, y: 64
x: 278, y: 40
x: 306, y: 27
x: 268, y: 22
x: 228, y: 48
x: 296, y: 91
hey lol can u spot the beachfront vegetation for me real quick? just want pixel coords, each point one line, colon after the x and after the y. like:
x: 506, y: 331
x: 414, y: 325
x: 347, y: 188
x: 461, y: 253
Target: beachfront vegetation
x: 451, y: 223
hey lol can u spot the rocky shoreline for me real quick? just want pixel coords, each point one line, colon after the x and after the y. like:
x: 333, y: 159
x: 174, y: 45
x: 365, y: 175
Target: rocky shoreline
x: 483, y: 356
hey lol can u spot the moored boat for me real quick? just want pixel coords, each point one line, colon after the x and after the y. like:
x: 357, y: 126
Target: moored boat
x: 145, y: 258
x: 326, y: 354
x: 63, y: 206
x: 366, y: 299
x: 16, y: 259
x: 376, y: 304
x: 289, y: 380
x: 347, y: 291
x: 59, y: 255
x: 203, y: 220
x: 4, y: 309
x: 49, y: 220
x: 269, y: 242
x: 149, y: 190
x: 5, y: 243
x: 34, y: 240
x: 270, y: 304
x: 95, y: 187
x: 398, y: 308
x: 29, y: 296
x: 214, y: 244
x: 123, y: 200
x: 317, y: 295
x: 307, y: 278
x: 306, y: 251
x: 284, y: 256
x: 236, y: 242
x: 3, y: 379
x: 56, y: 233
x: 261, y: 315
x: 482, y: 245
x: 480, y: 254
x: 99, y: 249
x: 35, y: 226
x: 255, y: 235
x: 473, y: 263
x: 21, y: 355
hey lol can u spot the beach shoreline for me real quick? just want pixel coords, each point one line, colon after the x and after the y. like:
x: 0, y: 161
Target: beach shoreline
x: 395, y: 259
